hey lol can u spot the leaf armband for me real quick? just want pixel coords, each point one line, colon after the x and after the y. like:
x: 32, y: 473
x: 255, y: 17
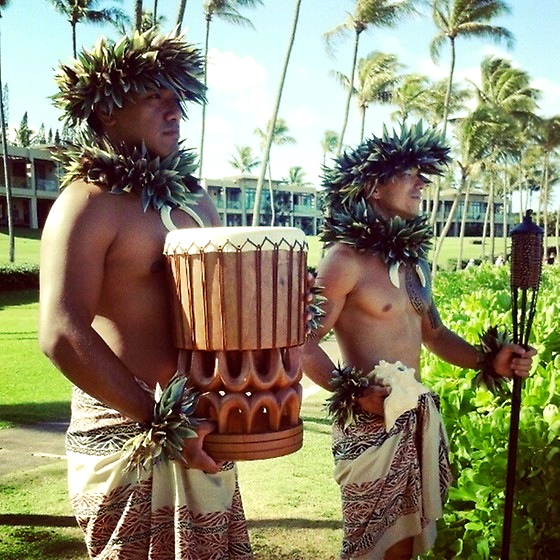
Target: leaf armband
x: 172, y: 422
x: 349, y: 384
x: 315, y: 311
x: 491, y: 342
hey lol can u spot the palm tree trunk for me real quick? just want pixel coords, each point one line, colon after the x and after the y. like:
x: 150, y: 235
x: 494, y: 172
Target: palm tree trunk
x: 492, y: 217
x: 363, y: 123
x: 11, y: 236
x: 505, y: 213
x: 180, y: 15
x: 449, y: 87
x: 443, y: 234
x: 203, y: 126
x: 557, y: 241
x: 271, y: 195
x: 74, y: 42
x: 350, y: 90
x: 463, y: 225
x: 545, y: 196
x: 485, y: 230
x: 272, y: 123
x: 138, y: 14
x: 437, y: 183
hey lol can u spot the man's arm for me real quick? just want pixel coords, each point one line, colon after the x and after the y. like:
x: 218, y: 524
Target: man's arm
x: 76, y: 237
x: 334, y: 286
x: 511, y: 360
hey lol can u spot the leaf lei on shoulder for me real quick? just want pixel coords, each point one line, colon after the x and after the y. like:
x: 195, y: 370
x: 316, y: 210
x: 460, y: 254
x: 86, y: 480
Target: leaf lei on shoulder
x: 158, y: 181
x: 396, y: 240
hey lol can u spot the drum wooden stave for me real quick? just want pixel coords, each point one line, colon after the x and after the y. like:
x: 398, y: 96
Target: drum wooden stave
x: 238, y: 299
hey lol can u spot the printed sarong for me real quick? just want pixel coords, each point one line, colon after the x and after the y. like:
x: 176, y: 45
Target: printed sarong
x: 162, y: 512
x: 392, y: 484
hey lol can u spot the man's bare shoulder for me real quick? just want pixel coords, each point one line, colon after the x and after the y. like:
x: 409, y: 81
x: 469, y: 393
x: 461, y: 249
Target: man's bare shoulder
x: 81, y: 198
x: 341, y: 255
x: 339, y: 268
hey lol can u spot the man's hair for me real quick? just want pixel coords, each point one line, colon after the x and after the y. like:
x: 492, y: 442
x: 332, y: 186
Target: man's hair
x: 112, y: 72
x: 356, y: 172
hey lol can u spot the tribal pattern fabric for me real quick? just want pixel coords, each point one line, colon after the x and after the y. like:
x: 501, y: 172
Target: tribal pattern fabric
x: 162, y: 512
x: 393, y: 484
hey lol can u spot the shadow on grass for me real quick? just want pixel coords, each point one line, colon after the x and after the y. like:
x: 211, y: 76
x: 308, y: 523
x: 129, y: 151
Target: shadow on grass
x: 18, y: 297
x: 29, y: 543
x: 294, y: 523
x: 24, y: 233
x: 30, y: 413
x: 37, y: 520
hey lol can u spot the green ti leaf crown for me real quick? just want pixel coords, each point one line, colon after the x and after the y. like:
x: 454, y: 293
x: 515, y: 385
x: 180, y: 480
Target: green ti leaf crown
x: 106, y: 76
x: 378, y: 159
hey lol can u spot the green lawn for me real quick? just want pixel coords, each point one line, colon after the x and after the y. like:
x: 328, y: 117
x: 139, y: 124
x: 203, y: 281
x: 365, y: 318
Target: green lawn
x: 291, y: 502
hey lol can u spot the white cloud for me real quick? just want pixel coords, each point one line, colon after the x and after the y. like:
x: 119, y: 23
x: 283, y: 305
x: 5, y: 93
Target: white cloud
x: 239, y: 84
x: 548, y: 103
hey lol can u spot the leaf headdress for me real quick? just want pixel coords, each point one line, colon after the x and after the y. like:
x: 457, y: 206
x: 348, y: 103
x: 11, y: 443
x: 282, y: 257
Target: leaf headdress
x: 376, y: 160
x: 111, y: 72
x: 350, y: 219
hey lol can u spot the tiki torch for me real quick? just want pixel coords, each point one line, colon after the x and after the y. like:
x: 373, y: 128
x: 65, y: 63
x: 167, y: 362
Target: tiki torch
x: 526, y: 267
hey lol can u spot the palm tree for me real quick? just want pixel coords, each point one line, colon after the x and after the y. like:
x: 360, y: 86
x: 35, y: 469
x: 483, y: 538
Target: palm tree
x: 228, y: 11
x: 280, y: 137
x: 296, y: 177
x: 376, y: 80
x: 244, y: 161
x: 467, y: 18
x: 272, y: 124
x: 8, y: 186
x: 410, y: 97
x: 329, y: 144
x: 435, y: 101
x: 511, y: 104
x: 548, y: 139
x: 376, y: 13
x: 85, y: 11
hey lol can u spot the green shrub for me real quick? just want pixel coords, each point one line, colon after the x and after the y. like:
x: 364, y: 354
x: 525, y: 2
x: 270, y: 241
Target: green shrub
x: 478, y: 426
x: 19, y: 277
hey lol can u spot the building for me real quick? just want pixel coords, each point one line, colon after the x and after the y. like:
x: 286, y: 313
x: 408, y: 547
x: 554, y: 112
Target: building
x: 34, y: 179
x: 294, y: 206
x: 34, y: 184
x: 477, y: 209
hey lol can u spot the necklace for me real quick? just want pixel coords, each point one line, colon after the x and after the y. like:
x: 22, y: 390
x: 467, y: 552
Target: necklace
x: 396, y: 240
x: 159, y: 181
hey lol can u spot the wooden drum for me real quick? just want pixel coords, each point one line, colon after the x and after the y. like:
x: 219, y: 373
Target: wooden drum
x: 238, y: 301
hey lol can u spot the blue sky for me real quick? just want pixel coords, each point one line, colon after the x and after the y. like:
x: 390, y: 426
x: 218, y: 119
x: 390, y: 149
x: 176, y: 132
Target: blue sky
x: 245, y: 66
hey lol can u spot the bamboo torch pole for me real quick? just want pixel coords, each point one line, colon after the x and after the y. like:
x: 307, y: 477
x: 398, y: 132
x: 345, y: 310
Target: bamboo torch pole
x: 526, y: 268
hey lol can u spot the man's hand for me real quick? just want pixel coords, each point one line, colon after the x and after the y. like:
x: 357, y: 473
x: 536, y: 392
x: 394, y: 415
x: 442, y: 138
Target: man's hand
x: 373, y: 399
x: 195, y: 456
x: 513, y: 359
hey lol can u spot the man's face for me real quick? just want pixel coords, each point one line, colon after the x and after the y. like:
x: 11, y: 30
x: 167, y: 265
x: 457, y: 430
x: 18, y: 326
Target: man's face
x: 153, y: 118
x: 400, y: 196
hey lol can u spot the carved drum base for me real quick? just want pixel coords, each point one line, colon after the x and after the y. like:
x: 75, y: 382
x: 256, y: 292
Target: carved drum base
x: 254, y: 399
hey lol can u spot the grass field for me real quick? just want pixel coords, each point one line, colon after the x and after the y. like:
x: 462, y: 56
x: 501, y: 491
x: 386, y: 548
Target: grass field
x: 291, y: 502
